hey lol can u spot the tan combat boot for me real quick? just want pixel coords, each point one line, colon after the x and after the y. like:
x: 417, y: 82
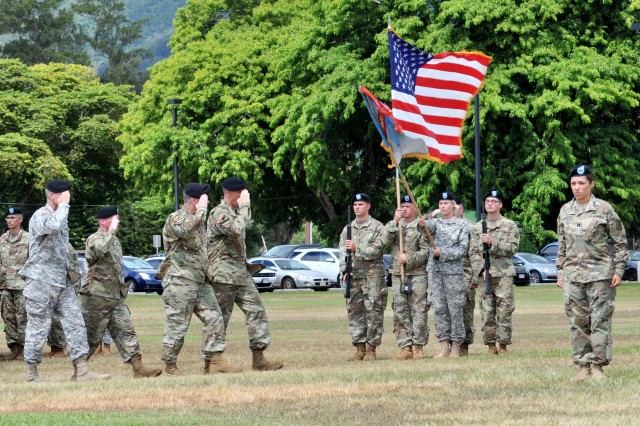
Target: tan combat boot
x: 140, y: 370
x: 455, y: 349
x: 84, y: 374
x: 417, y: 352
x: 597, y: 373
x: 171, y: 368
x: 32, y: 373
x: 405, y: 354
x: 445, y: 349
x: 56, y: 353
x: 360, y: 352
x: 464, y: 349
x: 370, y: 354
x: 260, y: 363
x: 493, y: 350
x: 219, y: 365
x: 503, y: 348
x: 584, y: 374
x: 13, y: 353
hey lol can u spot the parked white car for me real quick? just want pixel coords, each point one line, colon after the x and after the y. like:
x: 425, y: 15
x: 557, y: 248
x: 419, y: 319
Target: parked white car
x: 292, y: 274
x: 326, y: 260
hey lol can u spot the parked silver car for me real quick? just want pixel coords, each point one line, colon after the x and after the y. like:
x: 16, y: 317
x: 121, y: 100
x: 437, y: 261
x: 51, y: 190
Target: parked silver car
x: 631, y: 273
x: 291, y: 274
x: 540, y: 268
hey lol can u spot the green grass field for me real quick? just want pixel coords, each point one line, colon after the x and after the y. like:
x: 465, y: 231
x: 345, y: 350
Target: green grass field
x: 528, y: 386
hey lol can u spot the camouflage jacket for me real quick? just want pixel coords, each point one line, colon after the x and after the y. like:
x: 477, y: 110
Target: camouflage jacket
x: 14, y: 251
x: 48, y: 260
x: 75, y: 272
x: 367, y: 260
x: 104, y: 259
x: 466, y: 260
x: 506, y: 237
x: 184, y: 243
x: 416, y: 247
x: 583, y: 252
x: 451, y: 236
x: 226, y: 248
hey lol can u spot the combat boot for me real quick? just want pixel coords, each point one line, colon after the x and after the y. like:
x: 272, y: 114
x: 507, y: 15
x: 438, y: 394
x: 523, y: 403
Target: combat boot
x: 171, y: 368
x: 13, y: 353
x: 370, y: 354
x: 219, y: 365
x: 455, y: 349
x: 493, y: 350
x: 503, y: 348
x: 597, y: 373
x: 56, y: 353
x: 140, y: 370
x: 417, y: 352
x: 464, y: 349
x: 32, y: 373
x: 20, y: 352
x: 260, y: 363
x: 360, y: 352
x: 584, y: 374
x: 405, y: 354
x: 84, y: 374
x: 445, y: 349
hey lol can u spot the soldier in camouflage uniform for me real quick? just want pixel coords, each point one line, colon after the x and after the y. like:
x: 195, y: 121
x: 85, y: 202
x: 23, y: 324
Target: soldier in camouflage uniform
x: 409, y: 310
x: 228, y: 269
x: 47, y: 290
x: 447, y: 288
x: 589, y: 273
x: 503, y: 238
x: 186, y: 291
x: 104, y: 291
x: 14, y: 251
x: 365, y: 307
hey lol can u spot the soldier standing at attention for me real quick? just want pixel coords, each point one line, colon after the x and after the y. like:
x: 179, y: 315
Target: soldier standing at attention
x: 103, y: 294
x: 47, y: 289
x: 14, y: 251
x: 365, y: 307
x: 447, y: 288
x: 503, y: 238
x: 228, y: 269
x: 186, y: 291
x: 409, y: 310
x: 589, y: 273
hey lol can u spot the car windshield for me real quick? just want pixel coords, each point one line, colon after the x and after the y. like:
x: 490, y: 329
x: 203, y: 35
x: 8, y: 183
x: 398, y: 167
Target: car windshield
x: 136, y: 263
x: 279, y: 251
x: 336, y: 253
x: 290, y: 264
x: 634, y: 255
x: 534, y: 258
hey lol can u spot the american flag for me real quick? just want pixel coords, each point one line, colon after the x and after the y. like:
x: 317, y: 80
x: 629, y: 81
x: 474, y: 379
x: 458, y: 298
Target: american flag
x: 431, y: 94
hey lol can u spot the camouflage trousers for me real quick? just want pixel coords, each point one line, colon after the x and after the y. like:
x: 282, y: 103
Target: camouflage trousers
x: 467, y: 314
x: 56, y: 339
x: 248, y: 300
x: 103, y: 314
x: 365, y: 310
x: 589, y: 308
x: 496, y: 310
x: 14, y: 316
x: 410, y: 311
x: 447, y: 295
x: 42, y: 302
x: 182, y: 299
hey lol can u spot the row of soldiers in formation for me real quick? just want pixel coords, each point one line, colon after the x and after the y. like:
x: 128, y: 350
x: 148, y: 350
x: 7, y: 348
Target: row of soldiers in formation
x: 205, y: 273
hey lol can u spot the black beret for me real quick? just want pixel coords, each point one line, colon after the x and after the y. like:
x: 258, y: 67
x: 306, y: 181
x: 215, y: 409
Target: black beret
x: 448, y: 196
x: 405, y: 199
x: 57, y: 186
x: 580, y: 171
x: 361, y: 196
x: 14, y: 210
x: 457, y: 199
x: 196, y: 190
x: 234, y: 184
x: 495, y: 194
x: 107, y: 212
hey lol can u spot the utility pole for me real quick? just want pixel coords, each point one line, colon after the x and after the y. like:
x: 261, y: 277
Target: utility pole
x: 176, y: 183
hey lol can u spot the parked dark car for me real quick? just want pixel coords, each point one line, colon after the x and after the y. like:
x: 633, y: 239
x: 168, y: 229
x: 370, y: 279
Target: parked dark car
x: 139, y: 275
x: 550, y: 251
x: 522, y: 276
x: 287, y: 249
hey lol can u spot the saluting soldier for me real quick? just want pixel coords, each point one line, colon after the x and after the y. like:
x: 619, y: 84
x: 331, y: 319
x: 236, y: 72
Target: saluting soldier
x: 14, y: 251
x: 409, y: 310
x: 365, y: 307
x: 104, y: 292
x: 589, y: 273
x: 229, y: 272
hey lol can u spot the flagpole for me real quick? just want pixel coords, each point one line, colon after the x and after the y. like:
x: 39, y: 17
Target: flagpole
x: 403, y: 287
x: 476, y: 120
x: 413, y: 200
